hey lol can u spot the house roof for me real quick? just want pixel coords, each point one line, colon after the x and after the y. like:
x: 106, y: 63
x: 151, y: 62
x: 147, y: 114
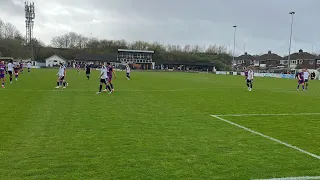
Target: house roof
x: 57, y: 56
x: 246, y: 56
x: 301, y: 55
x: 96, y: 57
x: 270, y: 56
x: 138, y: 51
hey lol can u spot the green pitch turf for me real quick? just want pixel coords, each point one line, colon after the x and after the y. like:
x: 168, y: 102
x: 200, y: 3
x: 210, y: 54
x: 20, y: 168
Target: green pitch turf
x: 156, y: 126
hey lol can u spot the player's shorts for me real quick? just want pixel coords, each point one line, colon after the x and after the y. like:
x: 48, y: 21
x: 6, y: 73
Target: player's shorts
x: 10, y: 72
x: 109, y: 78
x: 61, y: 78
x: 249, y: 81
x: 128, y: 74
x: 306, y: 80
x: 301, y: 81
x: 2, y: 76
x: 103, y: 81
x: 87, y: 72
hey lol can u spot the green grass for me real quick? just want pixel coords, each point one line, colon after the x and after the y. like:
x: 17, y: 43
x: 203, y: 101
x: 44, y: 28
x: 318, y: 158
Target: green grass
x: 156, y: 126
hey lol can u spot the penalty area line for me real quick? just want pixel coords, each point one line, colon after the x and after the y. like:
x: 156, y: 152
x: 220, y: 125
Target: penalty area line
x: 293, y: 114
x: 293, y: 178
x: 268, y: 137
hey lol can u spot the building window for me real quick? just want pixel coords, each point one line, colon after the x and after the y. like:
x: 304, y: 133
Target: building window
x: 311, y: 62
x: 294, y: 62
x: 300, y: 61
x: 263, y: 62
x: 318, y: 61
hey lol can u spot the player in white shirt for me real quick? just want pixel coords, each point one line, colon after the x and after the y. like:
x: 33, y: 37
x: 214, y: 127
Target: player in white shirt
x: 10, y: 69
x: 306, y: 76
x: 29, y: 67
x: 128, y: 71
x: 61, y: 77
x: 103, y: 78
x: 250, y: 79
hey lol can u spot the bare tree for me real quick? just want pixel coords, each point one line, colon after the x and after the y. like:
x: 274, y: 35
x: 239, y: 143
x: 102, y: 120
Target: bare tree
x: 58, y: 42
x: 187, y: 48
x: 1, y: 29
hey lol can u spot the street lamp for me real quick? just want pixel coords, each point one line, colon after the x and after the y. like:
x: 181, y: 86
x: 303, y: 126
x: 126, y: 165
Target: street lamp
x: 234, y: 44
x: 292, y: 13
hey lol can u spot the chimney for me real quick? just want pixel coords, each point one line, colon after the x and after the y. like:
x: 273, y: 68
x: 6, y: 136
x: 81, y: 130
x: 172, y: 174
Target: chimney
x: 269, y: 52
x: 245, y: 53
x: 300, y: 51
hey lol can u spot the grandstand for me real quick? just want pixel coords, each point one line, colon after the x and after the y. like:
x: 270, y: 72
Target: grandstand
x: 137, y: 58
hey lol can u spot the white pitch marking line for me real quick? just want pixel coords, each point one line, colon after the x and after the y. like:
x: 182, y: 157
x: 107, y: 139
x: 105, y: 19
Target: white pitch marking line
x: 268, y: 137
x: 294, y: 114
x: 293, y: 178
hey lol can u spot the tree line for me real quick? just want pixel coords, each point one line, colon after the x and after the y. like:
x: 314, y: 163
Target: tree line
x: 12, y: 44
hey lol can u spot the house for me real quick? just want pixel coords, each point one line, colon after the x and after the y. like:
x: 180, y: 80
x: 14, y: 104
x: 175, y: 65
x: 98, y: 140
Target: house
x: 245, y: 60
x: 55, y: 60
x: 317, y: 63
x: 302, y: 59
x: 270, y: 61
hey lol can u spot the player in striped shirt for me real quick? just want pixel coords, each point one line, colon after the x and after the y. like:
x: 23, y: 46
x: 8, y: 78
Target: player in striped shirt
x: 17, y: 69
x: 2, y: 73
x: 110, y: 74
x: 78, y: 68
x: 21, y: 67
x: 300, y: 81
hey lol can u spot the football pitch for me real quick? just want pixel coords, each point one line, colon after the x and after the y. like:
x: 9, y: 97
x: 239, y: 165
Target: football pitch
x: 159, y: 125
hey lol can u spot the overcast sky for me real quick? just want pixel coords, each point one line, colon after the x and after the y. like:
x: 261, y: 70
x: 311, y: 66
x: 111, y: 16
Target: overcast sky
x: 262, y: 24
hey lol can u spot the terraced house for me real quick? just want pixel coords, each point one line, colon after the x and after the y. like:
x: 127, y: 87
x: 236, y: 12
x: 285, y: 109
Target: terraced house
x: 271, y: 61
x: 302, y: 59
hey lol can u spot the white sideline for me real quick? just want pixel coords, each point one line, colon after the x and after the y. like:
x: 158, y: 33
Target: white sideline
x: 294, y: 114
x: 293, y: 178
x: 268, y: 137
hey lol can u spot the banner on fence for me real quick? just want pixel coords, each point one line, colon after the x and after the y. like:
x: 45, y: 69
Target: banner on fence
x: 221, y: 72
x: 288, y: 76
x: 273, y: 75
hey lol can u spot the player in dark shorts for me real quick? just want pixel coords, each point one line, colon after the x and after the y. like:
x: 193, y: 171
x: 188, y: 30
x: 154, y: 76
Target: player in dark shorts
x: 111, y: 73
x: 21, y: 67
x: 10, y: 69
x: 2, y: 73
x: 17, y: 69
x: 88, y: 70
x: 78, y: 68
x: 103, y: 79
x: 300, y: 81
